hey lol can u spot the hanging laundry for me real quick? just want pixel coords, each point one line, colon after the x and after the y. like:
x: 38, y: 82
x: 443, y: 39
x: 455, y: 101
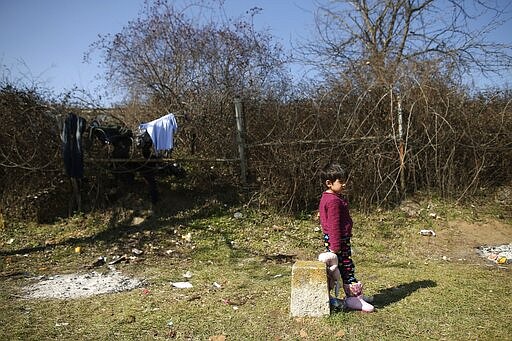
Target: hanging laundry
x: 119, y: 137
x: 72, y: 153
x: 161, y: 131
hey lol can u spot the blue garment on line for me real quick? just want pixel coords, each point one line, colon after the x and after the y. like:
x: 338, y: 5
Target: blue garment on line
x: 161, y: 131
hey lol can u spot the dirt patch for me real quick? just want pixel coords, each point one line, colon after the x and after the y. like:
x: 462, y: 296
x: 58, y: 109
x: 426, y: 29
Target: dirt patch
x: 80, y: 285
x: 461, y: 240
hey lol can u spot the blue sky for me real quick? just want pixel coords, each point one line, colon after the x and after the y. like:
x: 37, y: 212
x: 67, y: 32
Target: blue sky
x: 42, y: 42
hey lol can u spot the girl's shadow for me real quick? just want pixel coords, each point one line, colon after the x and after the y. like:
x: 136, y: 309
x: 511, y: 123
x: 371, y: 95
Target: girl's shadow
x: 391, y: 295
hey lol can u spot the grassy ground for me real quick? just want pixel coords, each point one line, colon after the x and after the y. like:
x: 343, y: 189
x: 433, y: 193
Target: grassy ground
x: 424, y: 288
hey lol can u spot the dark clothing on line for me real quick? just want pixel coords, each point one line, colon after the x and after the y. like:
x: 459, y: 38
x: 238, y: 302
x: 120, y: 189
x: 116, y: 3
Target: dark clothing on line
x: 72, y: 153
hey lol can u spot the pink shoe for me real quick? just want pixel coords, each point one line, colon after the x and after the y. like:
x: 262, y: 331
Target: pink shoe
x: 357, y: 303
x: 355, y: 299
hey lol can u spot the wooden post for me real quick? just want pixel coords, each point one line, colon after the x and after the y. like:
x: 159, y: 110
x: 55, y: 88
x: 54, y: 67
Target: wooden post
x: 240, y: 137
x: 401, y: 148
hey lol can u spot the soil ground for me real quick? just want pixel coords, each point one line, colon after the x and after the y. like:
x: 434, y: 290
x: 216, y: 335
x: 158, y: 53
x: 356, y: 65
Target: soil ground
x: 461, y: 240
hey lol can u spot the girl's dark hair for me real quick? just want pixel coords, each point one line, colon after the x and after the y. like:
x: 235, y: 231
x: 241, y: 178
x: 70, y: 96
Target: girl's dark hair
x: 333, y: 172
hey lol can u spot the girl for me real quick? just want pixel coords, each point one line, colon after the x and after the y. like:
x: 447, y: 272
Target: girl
x: 337, y: 228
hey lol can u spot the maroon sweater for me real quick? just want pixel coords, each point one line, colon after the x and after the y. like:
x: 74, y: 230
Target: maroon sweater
x: 335, y: 219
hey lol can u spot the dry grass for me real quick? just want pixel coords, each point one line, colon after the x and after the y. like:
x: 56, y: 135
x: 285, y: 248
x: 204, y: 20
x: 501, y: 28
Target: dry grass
x: 419, y: 294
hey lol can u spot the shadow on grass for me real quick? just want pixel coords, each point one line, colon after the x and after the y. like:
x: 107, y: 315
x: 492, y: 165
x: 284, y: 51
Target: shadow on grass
x: 196, y: 206
x: 391, y: 295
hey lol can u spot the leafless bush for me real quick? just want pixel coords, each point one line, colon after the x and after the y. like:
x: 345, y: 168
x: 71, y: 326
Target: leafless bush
x: 387, y: 104
x: 455, y: 144
x: 30, y: 167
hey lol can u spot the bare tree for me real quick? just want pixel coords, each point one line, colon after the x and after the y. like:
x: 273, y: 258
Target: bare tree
x: 194, y: 60
x: 390, y: 47
x: 178, y: 55
x: 387, y: 36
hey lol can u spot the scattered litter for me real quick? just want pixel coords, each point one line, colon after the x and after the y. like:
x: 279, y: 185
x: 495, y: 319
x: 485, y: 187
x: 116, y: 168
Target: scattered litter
x: 170, y: 323
x: 137, y: 251
x: 78, y: 249
x: 182, y: 285
x: 238, y: 215
x: 10, y: 241
x: 187, y: 274
x: 134, y: 259
x: 492, y: 256
x: 187, y: 237
x: 118, y: 259
x: 137, y: 220
x: 62, y: 324
x: 501, y: 254
x: 216, y: 285
x: 278, y: 275
x: 427, y: 233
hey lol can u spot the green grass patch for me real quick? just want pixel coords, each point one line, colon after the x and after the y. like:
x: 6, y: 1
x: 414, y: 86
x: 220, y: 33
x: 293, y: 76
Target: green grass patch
x: 241, y: 272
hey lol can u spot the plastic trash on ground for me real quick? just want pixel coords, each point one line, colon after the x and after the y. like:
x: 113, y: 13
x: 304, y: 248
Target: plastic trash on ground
x: 182, y: 285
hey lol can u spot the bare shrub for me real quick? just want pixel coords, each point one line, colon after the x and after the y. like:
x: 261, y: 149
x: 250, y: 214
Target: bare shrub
x: 454, y: 144
x: 30, y: 166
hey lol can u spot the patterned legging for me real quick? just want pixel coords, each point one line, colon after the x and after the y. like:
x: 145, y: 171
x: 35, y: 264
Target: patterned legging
x: 346, y: 265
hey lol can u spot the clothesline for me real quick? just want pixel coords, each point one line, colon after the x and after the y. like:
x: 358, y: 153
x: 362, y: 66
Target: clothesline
x: 161, y: 160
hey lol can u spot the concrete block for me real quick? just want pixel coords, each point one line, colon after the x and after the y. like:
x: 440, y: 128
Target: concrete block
x: 310, y: 294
